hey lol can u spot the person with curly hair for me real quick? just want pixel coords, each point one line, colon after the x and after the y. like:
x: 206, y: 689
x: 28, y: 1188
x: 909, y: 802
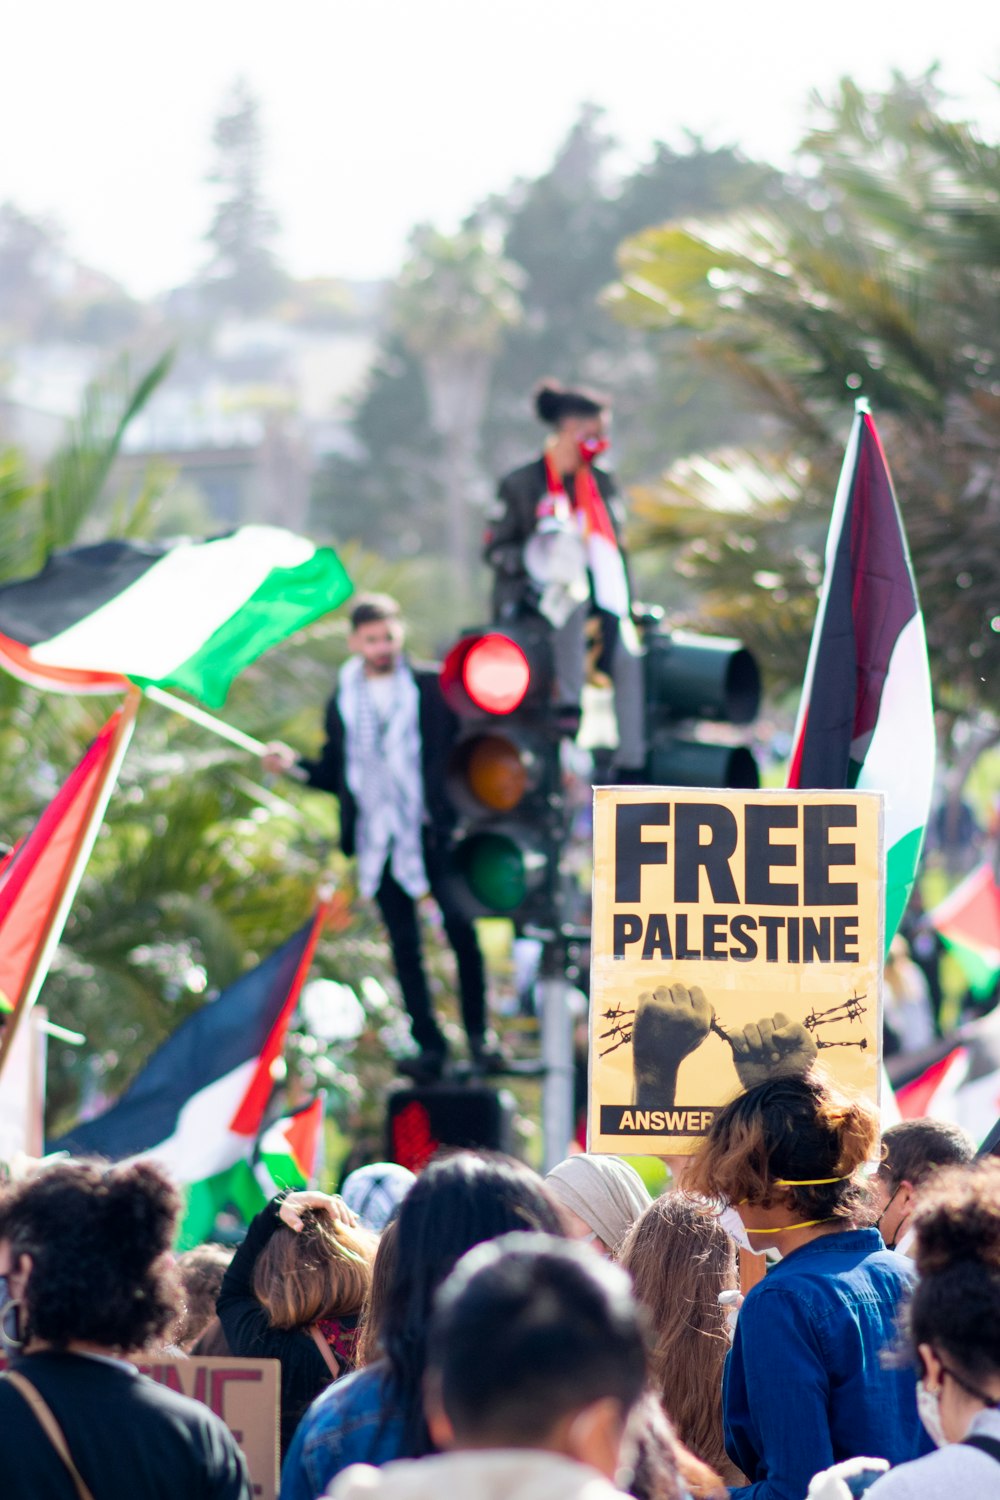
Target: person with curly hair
x: 85, y: 1282
x: 805, y: 1384
x: 953, y: 1333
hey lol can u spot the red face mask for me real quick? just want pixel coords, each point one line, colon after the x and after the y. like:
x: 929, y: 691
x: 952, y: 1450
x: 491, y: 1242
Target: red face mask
x: 591, y: 448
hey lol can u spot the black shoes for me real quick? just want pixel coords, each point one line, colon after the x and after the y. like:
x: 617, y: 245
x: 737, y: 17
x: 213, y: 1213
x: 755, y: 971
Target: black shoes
x: 426, y: 1067
x: 487, y: 1055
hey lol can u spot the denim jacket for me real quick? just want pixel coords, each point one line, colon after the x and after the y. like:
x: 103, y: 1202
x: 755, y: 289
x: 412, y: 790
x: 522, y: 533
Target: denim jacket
x: 805, y: 1385
x: 354, y: 1421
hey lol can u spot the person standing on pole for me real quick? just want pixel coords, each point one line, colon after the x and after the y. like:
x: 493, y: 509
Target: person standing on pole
x: 554, y: 544
x: 389, y: 737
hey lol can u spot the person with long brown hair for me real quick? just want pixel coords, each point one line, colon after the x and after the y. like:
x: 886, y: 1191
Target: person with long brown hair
x: 805, y: 1385
x: 680, y: 1259
x: 294, y: 1292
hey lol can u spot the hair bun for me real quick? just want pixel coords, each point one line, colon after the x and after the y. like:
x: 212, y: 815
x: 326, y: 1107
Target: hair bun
x: 958, y: 1219
x: 140, y: 1207
x: 548, y: 401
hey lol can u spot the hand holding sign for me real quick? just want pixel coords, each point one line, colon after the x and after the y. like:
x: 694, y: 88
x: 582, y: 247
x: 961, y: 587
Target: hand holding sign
x: 670, y: 1023
x: 771, y: 1047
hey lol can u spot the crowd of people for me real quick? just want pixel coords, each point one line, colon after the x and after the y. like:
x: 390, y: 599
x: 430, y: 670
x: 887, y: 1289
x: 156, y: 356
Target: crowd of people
x: 479, y: 1331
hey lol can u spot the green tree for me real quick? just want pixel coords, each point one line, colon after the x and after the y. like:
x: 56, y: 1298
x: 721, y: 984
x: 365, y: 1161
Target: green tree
x: 244, y: 274
x: 877, y: 274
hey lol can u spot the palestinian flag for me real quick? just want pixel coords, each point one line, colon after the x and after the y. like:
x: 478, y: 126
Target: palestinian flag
x: 969, y: 923
x: 185, y: 614
x: 39, y: 878
x: 197, y: 1105
x: 958, y: 1079
x: 865, y: 717
x: 289, y: 1150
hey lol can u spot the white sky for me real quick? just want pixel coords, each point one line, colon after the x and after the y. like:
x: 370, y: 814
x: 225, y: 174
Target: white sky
x: 380, y: 113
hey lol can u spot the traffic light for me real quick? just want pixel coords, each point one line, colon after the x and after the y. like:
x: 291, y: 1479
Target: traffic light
x: 690, y: 677
x: 504, y: 776
x: 422, y: 1120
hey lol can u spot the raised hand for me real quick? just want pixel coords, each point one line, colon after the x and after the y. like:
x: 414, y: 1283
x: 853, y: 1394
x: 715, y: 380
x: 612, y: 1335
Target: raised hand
x: 771, y: 1047
x: 670, y: 1023
x: 294, y: 1204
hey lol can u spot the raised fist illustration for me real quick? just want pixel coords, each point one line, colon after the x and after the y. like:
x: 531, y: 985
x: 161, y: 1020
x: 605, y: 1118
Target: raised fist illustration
x: 771, y: 1047
x: 670, y: 1023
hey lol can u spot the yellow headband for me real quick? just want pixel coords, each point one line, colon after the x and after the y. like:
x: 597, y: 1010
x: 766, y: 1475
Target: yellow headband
x: 809, y: 1181
x: 784, y: 1228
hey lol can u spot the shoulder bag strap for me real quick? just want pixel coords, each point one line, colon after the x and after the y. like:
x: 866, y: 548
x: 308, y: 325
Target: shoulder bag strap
x: 50, y: 1427
x: 326, y: 1351
x: 984, y: 1444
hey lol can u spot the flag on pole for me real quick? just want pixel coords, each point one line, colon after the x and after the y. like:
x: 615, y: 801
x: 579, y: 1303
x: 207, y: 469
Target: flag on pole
x: 187, y: 614
x: 968, y: 921
x: 289, y: 1150
x: 866, y: 717
x: 196, y: 1107
x: 39, y: 878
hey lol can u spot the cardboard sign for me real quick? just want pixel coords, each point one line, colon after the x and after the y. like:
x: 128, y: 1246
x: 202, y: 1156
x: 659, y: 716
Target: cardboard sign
x: 735, y: 935
x: 244, y: 1393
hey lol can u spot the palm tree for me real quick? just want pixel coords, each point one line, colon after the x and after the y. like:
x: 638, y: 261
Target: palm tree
x: 454, y: 300
x: 878, y: 274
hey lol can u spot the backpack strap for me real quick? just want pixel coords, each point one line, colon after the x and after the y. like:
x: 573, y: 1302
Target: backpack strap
x: 988, y: 1445
x: 327, y: 1353
x: 46, y: 1420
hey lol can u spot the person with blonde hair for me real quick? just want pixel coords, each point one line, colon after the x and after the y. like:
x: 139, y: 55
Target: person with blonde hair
x: 806, y: 1385
x: 680, y: 1258
x: 294, y: 1292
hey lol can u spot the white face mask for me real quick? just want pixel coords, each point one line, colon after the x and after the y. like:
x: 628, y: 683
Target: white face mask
x: 929, y: 1412
x: 736, y: 1230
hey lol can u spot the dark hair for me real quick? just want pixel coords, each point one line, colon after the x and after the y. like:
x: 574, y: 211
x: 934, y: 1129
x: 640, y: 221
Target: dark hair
x: 554, y: 404
x: 369, y: 609
x: 791, y: 1129
x: 98, y: 1238
x: 680, y: 1258
x: 913, y: 1149
x: 200, y: 1272
x: 373, y: 1314
x: 457, y: 1202
x: 528, y: 1330
x: 956, y: 1303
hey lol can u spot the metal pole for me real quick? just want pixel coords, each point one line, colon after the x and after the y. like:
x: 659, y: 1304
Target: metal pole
x: 552, y: 991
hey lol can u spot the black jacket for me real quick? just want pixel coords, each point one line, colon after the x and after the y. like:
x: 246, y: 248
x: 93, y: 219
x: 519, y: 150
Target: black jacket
x: 438, y: 731
x: 128, y: 1436
x: 513, y: 522
x: 249, y: 1334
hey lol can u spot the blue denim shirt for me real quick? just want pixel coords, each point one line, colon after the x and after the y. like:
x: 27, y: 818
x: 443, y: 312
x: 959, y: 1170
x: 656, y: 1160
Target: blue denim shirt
x: 805, y: 1385
x: 354, y: 1421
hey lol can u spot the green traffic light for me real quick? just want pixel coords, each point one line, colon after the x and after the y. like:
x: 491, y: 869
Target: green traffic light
x: 494, y: 868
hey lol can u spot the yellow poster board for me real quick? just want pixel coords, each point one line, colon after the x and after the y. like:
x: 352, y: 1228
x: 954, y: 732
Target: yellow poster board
x: 735, y: 935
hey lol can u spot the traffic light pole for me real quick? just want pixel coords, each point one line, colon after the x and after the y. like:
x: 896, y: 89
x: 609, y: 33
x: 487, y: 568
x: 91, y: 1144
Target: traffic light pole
x: 553, y: 991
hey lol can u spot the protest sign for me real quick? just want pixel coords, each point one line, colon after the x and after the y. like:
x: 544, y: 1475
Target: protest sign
x: 735, y: 935
x: 244, y: 1393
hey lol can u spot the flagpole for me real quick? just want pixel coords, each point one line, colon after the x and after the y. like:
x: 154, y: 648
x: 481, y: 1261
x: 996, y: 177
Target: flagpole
x: 840, y: 502
x: 75, y: 867
x: 207, y: 721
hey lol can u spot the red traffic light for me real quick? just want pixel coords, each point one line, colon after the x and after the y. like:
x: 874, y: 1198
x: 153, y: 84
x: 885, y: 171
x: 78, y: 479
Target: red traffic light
x: 485, y: 674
